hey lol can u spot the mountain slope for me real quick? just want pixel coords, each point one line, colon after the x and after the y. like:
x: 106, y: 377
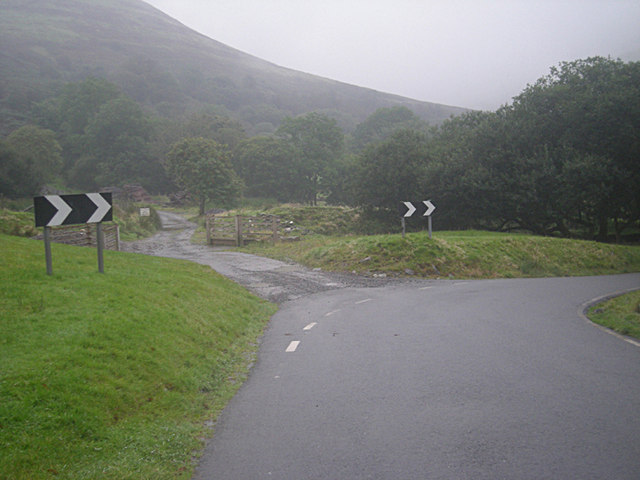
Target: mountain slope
x: 163, y: 64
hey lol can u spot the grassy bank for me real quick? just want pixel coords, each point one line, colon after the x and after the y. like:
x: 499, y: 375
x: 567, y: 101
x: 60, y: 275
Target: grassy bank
x: 621, y: 314
x: 469, y: 254
x: 113, y: 376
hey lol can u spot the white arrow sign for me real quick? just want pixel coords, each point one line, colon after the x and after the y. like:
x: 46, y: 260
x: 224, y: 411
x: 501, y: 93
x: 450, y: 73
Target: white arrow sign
x: 430, y: 208
x: 102, y: 210
x: 63, y: 210
x: 410, y: 209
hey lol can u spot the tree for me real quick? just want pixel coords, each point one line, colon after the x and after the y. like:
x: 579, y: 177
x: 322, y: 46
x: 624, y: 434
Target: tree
x: 383, y: 123
x: 268, y: 168
x: 16, y: 178
x: 202, y: 167
x: 563, y: 159
x: 583, y: 110
x: 39, y: 151
x: 318, y: 142
x: 391, y: 172
x: 220, y: 128
x: 117, y: 138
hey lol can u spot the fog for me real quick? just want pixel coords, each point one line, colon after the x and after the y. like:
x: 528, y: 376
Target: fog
x: 469, y: 53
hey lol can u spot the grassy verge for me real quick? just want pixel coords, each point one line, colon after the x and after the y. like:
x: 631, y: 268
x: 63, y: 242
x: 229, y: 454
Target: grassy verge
x: 469, y: 254
x: 621, y: 314
x: 113, y: 376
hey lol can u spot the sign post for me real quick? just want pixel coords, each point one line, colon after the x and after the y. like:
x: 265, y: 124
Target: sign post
x: 55, y: 210
x: 47, y: 250
x: 424, y: 208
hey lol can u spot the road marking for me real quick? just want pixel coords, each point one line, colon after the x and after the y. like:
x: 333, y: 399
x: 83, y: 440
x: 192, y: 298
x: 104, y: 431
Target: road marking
x: 292, y: 346
x: 363, y: 301
x: 331, y: 313
x: 460, y: 283
x: 425, y: 288
x: 310, y: 326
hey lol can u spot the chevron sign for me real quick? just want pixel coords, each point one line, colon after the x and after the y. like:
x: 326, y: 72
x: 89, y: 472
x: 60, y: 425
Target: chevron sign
x: 54, y: 210
x: 423, y: 209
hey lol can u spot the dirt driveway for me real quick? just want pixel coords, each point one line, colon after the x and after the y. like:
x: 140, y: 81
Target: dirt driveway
x: 270, y: 279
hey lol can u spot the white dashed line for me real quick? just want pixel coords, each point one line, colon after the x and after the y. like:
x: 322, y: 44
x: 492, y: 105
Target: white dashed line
x: 331, y: 313
x: 425, y: 288
x: 292, y: 346
x: 460, y: 283
x: 363, y: 301
x: 310, y: 326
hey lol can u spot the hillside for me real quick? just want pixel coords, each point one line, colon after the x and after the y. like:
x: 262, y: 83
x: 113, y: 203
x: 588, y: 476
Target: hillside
x: 164, y: 65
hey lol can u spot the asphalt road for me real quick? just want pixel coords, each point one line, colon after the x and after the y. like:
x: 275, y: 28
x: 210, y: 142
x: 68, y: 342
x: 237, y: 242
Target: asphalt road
x: 498, y: 379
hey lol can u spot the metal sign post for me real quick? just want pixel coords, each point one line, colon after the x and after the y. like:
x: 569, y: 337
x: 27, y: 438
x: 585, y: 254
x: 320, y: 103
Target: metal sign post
x: 100, y: 247
x: 54, y: 210
x: 424, y: 208
x: 47, y: 250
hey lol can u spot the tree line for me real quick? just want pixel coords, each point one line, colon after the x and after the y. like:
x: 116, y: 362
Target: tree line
x: 562, y: 159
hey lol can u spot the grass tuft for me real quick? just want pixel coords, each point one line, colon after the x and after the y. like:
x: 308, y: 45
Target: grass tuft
x: 621, y: 314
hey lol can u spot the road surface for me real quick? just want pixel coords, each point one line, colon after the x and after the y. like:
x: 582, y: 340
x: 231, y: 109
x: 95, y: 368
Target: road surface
x: 488, y: 379
x: 498, y: 379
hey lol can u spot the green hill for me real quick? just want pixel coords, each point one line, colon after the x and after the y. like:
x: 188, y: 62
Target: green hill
x: 162, y: 64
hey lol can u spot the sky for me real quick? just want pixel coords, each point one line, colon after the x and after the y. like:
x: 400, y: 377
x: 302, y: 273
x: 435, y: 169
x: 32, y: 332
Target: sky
x: 470, y: 53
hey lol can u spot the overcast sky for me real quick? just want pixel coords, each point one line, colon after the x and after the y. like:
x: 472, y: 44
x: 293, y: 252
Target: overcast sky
x: 469, y: 53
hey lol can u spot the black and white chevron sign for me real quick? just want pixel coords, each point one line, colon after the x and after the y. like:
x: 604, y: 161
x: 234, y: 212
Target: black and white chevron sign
x: 54, y: 210
x: 424, y: 208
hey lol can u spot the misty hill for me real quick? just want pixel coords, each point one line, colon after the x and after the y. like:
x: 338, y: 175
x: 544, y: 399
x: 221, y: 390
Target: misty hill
x: 164, y: 65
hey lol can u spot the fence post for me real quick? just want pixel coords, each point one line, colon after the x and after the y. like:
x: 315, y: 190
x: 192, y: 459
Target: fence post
x: 238, y: 231
x: 207, y: 226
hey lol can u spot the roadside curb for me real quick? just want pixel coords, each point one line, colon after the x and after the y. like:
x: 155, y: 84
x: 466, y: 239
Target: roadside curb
x: 582, y: 312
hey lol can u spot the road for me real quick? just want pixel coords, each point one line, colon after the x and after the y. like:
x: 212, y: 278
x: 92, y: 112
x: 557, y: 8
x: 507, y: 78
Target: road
x: 270, y: 279
x: 491, y: 379
x: 458, y: 380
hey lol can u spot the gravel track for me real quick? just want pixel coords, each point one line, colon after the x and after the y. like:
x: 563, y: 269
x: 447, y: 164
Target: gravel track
x: 270, y: 279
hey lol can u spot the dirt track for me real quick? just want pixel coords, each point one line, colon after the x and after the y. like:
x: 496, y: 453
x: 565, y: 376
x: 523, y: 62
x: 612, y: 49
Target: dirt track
x: 270, y: 279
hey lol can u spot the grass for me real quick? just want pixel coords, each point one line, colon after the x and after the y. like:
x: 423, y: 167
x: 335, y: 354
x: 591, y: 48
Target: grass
x: 621, y: 314
x: 114, y: 375
x: 469, y: 254
x: 21, y: 224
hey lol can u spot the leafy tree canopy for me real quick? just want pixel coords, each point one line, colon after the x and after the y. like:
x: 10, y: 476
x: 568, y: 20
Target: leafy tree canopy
x: 39, y: 151
x: 382, y: 123
x: 202, y: 167
x: 318, y: 141
x: 269, y: 168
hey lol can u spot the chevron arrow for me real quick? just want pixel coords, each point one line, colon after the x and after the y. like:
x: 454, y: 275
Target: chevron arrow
x: 430, y: 208
x: 62, y: 207
x: 102, y: 210
x: 410, y: 209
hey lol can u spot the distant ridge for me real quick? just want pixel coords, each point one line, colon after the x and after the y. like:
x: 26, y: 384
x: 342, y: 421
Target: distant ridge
x: 164, y: 65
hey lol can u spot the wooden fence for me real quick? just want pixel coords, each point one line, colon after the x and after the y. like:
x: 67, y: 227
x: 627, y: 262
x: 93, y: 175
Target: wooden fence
x: 240, y: 230
x: 86, y: 235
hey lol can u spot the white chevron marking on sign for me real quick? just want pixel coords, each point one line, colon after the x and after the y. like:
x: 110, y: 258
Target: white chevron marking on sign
x: 63, y: 210
x: 101, y: 211
x: 410, y: 207
x: 430, y: 208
